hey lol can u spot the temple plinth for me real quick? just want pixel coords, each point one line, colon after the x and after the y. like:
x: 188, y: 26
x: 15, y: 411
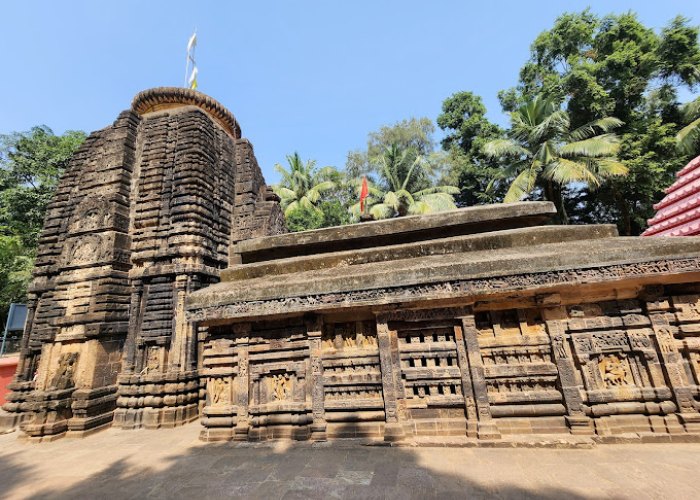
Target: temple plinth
x: 479, y: 322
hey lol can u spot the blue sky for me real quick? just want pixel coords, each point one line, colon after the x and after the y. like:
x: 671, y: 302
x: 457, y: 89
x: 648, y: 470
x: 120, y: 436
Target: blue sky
x: 310, y: 76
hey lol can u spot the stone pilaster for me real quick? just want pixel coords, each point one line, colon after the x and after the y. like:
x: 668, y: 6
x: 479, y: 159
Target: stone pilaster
x: 486, y: 428
x: 388, y: 358
x: 314, y: 330
x: 577, y: 420
x: 242, y: 332
x: 467, y: 386
x: 672, y: 367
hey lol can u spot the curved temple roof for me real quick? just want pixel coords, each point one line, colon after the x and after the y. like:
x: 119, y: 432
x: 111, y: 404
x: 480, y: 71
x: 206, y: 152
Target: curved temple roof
x: 161, y: 98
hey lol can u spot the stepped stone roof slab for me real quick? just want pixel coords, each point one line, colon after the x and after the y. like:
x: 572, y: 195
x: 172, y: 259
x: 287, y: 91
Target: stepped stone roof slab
x: 420, y: 266
x: 393, y: 231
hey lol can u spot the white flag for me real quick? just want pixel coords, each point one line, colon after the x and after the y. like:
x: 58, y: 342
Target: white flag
x: 192, y: 43
x: 193, y: 78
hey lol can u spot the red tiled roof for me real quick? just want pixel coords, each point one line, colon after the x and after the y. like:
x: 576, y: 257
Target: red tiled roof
x: 678, y: 214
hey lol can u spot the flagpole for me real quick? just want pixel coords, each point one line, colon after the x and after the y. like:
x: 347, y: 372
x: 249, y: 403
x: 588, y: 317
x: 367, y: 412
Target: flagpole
x: 191, y: 79
x: 187, y: 66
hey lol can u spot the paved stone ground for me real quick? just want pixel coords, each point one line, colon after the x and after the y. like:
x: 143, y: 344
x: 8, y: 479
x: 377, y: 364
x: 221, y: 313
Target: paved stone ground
x: 173, y: 463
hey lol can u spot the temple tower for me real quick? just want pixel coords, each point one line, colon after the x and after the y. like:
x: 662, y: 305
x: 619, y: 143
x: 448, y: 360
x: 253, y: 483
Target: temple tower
x: 144, y: 215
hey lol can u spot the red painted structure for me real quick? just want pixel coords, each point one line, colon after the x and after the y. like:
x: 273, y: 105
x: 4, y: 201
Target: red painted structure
x: 7, y: 371
x: 678, y: 214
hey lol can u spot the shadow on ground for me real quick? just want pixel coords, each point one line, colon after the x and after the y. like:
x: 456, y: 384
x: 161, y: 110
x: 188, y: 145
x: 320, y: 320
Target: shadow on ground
x: 283, y: 470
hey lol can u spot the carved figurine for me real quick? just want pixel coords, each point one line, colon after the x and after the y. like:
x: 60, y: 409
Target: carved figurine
x: 153, y: 362
x: 218, y: 391
x: 614, y: 371
x: 281, y: 386
x: 63, y: 379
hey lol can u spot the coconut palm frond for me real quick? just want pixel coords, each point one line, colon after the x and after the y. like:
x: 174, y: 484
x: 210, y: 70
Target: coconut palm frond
x: 313, y: 195
x: 286, y: 175
x: 284, y: 193
x: 504, y: 147
x: 609, y: 167
x: 689, y: 136
x: 409, y: 174
x: 291, y: 208
x: 437, y: 189
x: 592, y: 128
x: 391, y: 200
x: 563, y: 171
x: 594, y: 147
x: 324, y: 186
x: 521, y: 186
x: 381, y: 211
x: 438, y: 202
x: 551, y: 125
x: 420, y: 208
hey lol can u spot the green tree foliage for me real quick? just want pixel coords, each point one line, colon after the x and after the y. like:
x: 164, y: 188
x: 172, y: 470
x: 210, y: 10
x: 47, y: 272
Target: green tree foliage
x: 30, y: 165
x: 543, y: 151
x: 616, y: 66
x: 312, y: 197
x: 414, y: 135
x: 405, y: 172
x: 688, y: 137
x: 16, y: 263
x: 464, y: 119
x: 402, y: 190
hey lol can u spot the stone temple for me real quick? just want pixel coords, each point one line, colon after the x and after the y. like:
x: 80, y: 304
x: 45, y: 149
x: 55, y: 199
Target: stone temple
x: 166, y: 290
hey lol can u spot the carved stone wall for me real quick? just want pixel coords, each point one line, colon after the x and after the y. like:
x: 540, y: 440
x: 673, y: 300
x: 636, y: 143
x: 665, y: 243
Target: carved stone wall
x: 144, y: 215
x: 606, y: 368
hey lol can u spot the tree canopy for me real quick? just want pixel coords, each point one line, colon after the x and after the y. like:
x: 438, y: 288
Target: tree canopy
x: 31, y: 164
x: 543, y: 151
x: 600, y: 67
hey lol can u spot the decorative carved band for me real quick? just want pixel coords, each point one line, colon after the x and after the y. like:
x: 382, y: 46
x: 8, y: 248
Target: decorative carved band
x: 450, y: 289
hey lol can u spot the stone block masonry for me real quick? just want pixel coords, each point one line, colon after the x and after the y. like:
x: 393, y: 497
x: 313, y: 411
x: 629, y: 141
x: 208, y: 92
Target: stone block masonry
x: 167, y: 289
x: 479, y: 323
x: 144, y: 215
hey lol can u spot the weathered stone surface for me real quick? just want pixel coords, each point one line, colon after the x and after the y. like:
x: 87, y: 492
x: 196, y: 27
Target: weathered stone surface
x: 144, y: 215
x: 449, y: 275
x: 404, y: 230
x: 481, y: 325
x: 483, y: 333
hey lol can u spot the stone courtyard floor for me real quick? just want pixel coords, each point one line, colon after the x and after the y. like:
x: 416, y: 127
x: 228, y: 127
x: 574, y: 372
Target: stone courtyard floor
x: 173, y: 463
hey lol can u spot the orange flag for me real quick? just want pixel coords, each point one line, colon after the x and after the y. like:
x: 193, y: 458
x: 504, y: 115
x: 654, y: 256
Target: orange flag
x: 364, y: 193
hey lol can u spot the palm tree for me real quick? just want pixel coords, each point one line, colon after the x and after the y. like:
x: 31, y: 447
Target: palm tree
x: 302, y: 185
x: 688, y: 138
x: 544, y: 152
x: 404, y: 175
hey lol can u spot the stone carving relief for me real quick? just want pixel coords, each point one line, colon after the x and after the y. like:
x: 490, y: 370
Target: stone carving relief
x: 152, y: 359
x: 85, y: 249
x: 219, y: 392
x: 615, y: 371
x: 92, y: 213
x: 450, y: 289
x: 64, y: 377
x: 349, y: 336
x: 559, y: 347
x: 280, y: 386
x: 665, y: 339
